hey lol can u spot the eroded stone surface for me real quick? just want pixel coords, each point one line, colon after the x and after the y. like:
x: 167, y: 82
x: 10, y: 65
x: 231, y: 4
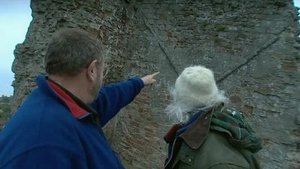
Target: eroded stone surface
x: 251, y: 46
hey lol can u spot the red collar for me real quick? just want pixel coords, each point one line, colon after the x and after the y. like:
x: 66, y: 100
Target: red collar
x: 77, y: 111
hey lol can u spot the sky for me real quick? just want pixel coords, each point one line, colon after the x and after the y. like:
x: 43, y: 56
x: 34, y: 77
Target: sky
x: 15, y: 17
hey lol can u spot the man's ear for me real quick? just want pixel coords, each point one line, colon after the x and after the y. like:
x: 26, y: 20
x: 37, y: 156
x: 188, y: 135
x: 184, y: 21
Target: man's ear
x: 92, y: 70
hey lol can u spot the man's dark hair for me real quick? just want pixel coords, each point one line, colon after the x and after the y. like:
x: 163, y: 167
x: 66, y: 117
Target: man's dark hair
x: 70, y: 51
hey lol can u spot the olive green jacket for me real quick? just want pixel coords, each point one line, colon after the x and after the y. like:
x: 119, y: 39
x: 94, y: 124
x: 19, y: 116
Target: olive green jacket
x: 219, y: 139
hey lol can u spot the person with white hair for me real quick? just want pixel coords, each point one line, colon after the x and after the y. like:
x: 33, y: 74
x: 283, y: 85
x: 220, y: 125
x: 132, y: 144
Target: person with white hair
x: 209, y: 135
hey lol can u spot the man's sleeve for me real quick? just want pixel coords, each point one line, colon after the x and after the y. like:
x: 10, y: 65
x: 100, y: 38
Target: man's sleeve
x: 115, y: 96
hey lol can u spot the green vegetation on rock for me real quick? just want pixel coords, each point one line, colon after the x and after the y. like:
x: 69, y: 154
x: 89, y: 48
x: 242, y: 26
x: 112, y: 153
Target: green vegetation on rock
x: 5, y: 110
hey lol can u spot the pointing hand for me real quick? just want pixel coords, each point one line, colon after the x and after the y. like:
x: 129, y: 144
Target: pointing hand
x: 149, y: 79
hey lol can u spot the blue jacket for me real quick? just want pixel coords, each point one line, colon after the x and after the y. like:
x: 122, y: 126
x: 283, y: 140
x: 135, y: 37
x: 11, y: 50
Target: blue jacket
x: 44, y: 134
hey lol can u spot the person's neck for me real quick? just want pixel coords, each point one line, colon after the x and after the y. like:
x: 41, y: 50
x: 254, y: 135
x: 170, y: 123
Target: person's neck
x: 74, y: 85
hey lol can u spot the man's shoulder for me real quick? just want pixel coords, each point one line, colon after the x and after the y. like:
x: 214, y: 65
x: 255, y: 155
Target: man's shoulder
x: 39, y: 123
x: 40, y: 112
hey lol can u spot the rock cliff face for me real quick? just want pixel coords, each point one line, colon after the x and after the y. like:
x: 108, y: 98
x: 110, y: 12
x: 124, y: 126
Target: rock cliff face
x: 250, y: 44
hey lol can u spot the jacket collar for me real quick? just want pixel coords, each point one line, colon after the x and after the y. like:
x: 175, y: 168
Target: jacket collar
x: 195, y: 135
x: 77, y: 107
x: 192, y: 132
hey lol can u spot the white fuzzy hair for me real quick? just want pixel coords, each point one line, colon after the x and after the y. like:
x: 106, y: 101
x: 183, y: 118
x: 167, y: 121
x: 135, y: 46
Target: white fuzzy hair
x: 179, y: 111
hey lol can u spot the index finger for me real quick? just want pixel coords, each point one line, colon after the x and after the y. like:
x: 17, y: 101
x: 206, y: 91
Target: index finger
x: 154, y: 74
